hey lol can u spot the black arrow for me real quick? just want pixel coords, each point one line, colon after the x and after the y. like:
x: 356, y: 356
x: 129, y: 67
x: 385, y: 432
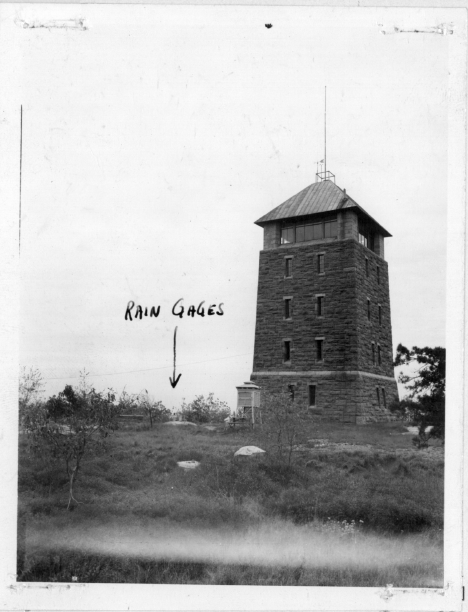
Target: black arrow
x: 174, y: 380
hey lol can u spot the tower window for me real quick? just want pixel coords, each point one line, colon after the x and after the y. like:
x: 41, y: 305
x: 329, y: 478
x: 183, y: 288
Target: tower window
x: 287, y: 234
x: 300, y: 233
x: 380, y: 314
x: 373, y: 353
x: 286, y: 350
x: 291, y: 390
x: 287, y: 308
x: 288, y: 267
x: 368, y: 310
x: 378, y: 396
x: 379, y: 354
x: 309, y: 229
x: 321, y: 263
x: 330, y: 229
x: 367, y: 266
x: 366, y: 235
x: 312, y: 395
x: 316, y: 230
x: 378, y: 275
x: 384, y: 398
x: 319, y: 348
x: 320, y: 305
x: 309, y: 232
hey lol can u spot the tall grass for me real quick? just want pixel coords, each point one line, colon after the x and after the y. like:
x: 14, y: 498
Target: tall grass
x: 391, y: 494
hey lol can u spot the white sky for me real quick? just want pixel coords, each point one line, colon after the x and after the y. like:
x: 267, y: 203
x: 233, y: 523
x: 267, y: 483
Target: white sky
x: 154, y: 139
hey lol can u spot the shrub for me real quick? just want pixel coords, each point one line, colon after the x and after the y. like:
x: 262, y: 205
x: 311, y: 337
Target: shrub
x: 143, y: 403
x: 205, y: 410
x: 71, y: 424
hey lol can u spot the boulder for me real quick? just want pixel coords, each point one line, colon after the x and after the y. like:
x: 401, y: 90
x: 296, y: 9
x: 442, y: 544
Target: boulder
x: 247, y: 451
x: 188, y: 465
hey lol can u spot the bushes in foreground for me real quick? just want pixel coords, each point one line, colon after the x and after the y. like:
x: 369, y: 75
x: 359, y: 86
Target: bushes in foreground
x: 387, y: 493
x: 205, y: 410
x: 137, y: 482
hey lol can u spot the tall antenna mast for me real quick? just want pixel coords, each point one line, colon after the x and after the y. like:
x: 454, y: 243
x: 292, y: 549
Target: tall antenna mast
x: 325, y: 158
x: 324, y: 175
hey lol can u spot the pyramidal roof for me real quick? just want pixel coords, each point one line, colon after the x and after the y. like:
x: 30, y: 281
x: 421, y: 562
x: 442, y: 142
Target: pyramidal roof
x: 320, y: 197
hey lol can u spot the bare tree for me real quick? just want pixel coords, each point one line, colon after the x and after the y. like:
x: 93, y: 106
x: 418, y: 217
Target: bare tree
x: 283, y: 424
x: 154, y: 409
x: 31, y: 386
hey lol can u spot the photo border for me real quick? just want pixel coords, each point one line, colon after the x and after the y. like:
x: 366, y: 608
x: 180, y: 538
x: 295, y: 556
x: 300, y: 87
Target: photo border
x: 61, y: 596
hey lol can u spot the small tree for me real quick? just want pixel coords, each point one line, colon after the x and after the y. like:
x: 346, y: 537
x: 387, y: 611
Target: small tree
x: 127, y: 402
x: 283, y: 424
x: 31, y: 386
x: 425, y: 383
x: 71, y: 424
x: 155, y: 410
x: 205, y: 410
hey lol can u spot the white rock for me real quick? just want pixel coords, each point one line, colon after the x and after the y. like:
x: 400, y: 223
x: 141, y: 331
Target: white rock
x: 188, y: 465
x: 415, y: 430
x: 175, y: 423
x: 246, y: 451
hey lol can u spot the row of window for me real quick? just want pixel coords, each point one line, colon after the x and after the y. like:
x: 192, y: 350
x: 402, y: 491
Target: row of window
x: 288, y: 265
x: 321, y: 308
x: 319, y: 343
x: 288, y: 306
x: 312, y: 393
x: 380, y: 391
x: 287, y: 346
x: 300, y: 231
x: 304, y: 231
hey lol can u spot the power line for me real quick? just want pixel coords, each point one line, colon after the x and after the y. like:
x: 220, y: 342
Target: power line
x: 149, y: 369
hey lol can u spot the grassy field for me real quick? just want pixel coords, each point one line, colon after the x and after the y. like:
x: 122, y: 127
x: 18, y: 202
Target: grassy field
x: 359, y: 507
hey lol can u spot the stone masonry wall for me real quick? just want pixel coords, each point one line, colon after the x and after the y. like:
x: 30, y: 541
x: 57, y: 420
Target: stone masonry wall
x: 350, y: 398
x: 371, y: 330
x: 337, y: 326
x: 346, y: 285
x: 348, y: 222
x: 370, y: 407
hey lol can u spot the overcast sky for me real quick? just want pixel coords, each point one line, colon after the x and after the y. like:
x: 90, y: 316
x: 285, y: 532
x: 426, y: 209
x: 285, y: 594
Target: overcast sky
x: 154, y: 139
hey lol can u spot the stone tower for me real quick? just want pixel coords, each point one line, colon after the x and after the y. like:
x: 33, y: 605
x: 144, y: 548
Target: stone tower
x: 323, y: 329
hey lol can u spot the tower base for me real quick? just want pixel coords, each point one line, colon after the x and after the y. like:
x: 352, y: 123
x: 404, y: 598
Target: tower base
x: 347, y: 396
